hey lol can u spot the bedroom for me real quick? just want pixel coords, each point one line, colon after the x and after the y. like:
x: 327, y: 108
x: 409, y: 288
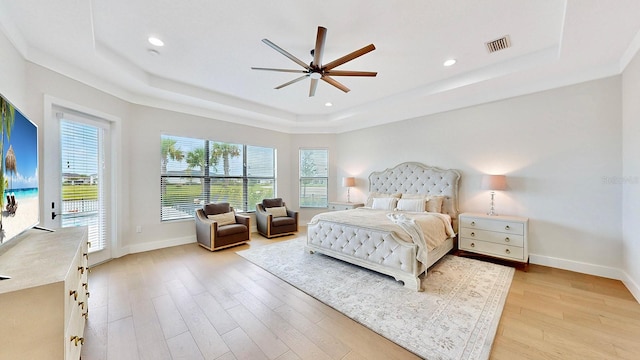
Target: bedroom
x: 557, y: 147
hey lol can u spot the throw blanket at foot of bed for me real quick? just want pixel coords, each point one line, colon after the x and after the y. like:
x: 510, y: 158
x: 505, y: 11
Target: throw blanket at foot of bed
x: 375, y: 240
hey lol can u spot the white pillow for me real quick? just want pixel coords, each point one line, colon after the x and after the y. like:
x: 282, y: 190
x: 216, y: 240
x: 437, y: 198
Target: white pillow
x: 223, y: 219
x: 411, y: 205
x: 387, y: 203
x: 278, y: 211
x: 374, y: 195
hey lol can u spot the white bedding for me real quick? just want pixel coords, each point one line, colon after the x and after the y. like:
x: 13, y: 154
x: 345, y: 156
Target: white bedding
x: 435, y: 227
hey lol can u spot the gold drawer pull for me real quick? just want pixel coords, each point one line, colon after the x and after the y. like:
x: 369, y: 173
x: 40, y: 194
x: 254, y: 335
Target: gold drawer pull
x: 508, y: 251
x: 473, y: 223
x: 473, y: 234
x: 473, y: 245
x: 74, y: 294
x: 507, y: 239
x: 507, y: 227
x: 77, y: 340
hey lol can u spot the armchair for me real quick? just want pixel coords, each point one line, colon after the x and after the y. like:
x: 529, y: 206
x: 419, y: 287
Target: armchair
x: 274, y: 219
x: 219, y: 227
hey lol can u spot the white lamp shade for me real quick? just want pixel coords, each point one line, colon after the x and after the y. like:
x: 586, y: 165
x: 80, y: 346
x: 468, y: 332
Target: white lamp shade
x: 494, y: 182
x: 348, y: 181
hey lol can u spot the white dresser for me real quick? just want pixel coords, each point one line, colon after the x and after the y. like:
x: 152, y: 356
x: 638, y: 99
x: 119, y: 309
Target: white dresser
x: 43, y: 307
x: 504, y: 237
x: 337, y: 205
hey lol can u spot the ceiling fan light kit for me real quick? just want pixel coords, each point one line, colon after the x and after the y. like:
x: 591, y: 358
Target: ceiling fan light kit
x: 315, y: 70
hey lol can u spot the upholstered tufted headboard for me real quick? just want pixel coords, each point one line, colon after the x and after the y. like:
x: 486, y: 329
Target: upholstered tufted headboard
x: 416, y: 178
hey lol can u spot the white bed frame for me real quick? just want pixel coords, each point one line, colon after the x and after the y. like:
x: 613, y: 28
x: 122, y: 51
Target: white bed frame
x: 379, y: 250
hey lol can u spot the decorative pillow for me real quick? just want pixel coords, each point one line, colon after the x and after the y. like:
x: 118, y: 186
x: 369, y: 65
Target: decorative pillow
x: 373, y: 195
x: 434, y: 204
x: 224, y: 219
x: 277, y: 211
x: 384, y: 203
x: 411, y: 205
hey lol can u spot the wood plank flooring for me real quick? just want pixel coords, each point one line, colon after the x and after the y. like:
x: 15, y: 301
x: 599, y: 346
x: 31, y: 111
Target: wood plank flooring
x: 185, y: 302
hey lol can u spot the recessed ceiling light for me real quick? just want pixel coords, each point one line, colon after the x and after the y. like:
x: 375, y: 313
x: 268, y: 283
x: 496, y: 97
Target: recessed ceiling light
x: 449, y: 62
x: 155, y: 41
x: 328, y: 104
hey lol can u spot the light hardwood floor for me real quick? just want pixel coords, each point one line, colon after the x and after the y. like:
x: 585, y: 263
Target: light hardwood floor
x: 185, y: 302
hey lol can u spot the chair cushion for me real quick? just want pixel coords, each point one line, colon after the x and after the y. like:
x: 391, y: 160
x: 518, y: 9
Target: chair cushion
x: 276, y: 202
x: 282, y: 221
x: 216, y: 208
x: 224, y: 219
x: 231, y: 229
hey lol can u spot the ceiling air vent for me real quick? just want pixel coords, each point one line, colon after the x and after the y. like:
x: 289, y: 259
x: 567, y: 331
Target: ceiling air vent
x: 498, y: 44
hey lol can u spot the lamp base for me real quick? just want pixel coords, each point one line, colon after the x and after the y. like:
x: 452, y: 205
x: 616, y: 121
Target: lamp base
x: 492, y: 210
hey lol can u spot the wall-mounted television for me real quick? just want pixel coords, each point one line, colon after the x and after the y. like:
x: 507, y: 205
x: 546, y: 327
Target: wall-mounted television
x: 19, y: 176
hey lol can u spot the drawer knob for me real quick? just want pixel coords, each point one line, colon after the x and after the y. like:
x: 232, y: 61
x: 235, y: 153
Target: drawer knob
x: 507, y: 227
x: 473, y: 234
x: 473, y: 223
x: 508, y: 251
x: 507, y: 239
x: 473, y: 244
x: 77, y: 339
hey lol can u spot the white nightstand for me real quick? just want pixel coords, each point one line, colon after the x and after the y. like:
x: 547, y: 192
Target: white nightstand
x: 503, y: 237
x: 337, y: 205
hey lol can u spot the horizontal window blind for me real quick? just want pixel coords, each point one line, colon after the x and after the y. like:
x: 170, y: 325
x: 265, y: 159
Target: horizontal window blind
x: 196, y: 171
x: 83, y: 187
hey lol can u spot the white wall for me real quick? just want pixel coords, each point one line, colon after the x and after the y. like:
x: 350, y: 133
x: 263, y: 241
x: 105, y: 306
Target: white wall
x: 12, y: 73
x: 631, y: 175
x: 146, y: 126
x: 555, y: 147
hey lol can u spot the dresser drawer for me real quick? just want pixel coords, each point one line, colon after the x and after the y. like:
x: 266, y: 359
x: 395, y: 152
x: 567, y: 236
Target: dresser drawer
x: 498, y: 250
x: 336, y: 206
x: 492, y: 236
x: 509, y: 227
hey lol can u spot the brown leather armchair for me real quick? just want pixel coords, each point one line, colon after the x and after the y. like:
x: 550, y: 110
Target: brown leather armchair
x: 223, y: 229
x: 275, y: 222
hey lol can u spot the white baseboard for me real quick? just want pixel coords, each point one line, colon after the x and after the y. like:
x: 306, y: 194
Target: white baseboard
x: 586, y: 268
x: 577, y: 266
x: 632, y: 286
x: 155, y: 245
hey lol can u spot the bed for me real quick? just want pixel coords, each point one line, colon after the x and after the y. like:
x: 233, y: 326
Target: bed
x: 390, y: 247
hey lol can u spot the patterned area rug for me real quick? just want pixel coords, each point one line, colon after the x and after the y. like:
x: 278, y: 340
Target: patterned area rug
x: 456, y: 317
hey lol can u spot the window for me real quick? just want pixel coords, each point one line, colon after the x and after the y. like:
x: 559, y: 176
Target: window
x: 195, y: 172
x: 314, y: 177
x: 83, y: 182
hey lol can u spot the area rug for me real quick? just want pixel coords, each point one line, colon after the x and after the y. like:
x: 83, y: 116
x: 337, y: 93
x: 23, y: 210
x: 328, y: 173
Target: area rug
x: 455, y: 317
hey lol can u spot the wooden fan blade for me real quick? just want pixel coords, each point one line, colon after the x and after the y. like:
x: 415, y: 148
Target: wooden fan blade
x: 280, y: 70
x: 319, y: 49
x: 285, y: 53
x: 349, y: 57
x: 335, y: 83
x: 350, y: 73
x: 313, y: 86
x: 292, y: 81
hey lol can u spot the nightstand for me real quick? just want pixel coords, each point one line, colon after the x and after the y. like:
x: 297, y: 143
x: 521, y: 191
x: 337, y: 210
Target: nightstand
x: 337, y: 205
x: 504, y: 237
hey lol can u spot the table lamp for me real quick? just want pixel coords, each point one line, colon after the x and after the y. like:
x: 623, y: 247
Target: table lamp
x: 493, y: 183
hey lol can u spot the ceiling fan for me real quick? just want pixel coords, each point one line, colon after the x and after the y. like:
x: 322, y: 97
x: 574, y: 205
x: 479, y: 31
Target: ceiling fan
x: 315, y: 70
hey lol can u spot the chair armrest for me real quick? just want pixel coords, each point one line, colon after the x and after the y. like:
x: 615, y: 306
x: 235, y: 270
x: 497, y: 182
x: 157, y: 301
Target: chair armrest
x: 292, y: 213
x: 243, y: 219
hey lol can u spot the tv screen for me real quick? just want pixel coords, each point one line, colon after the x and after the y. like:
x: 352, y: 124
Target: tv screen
x: 19, y: 175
